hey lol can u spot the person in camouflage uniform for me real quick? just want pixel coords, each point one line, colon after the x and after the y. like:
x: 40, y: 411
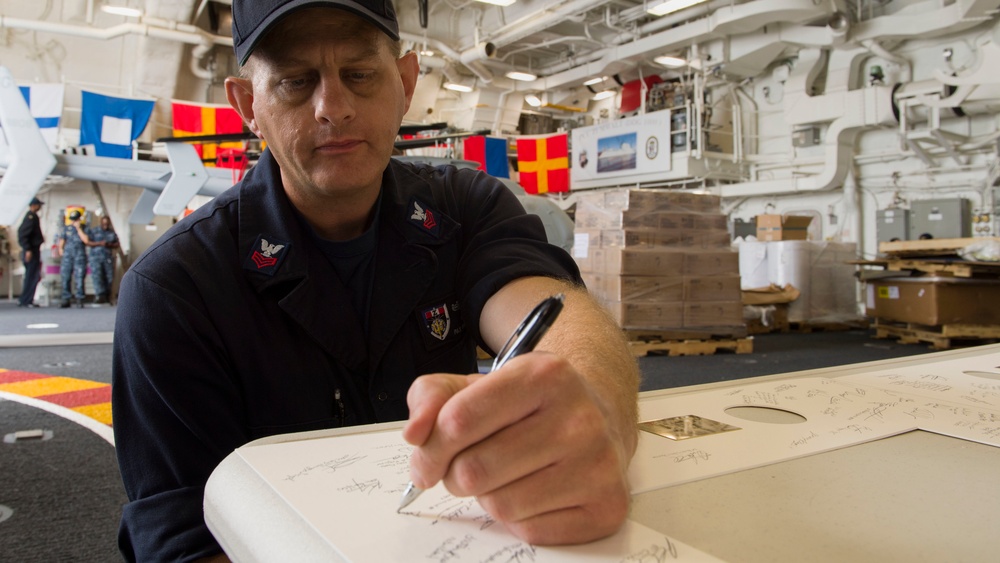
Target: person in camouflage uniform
x: 103, y: 241
x: 72, y: 244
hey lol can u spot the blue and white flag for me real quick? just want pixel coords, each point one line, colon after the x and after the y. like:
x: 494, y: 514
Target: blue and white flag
x: 45, y: 101
x: 110, y: 124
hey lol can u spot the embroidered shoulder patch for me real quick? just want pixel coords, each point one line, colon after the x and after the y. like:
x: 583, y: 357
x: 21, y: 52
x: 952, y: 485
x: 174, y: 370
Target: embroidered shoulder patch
x: 423, y: 217
x: 266, y: 255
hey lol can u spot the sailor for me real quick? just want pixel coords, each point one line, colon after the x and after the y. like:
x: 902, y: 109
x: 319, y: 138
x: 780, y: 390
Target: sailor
x: 29, y: 236
x: 103, y: 241
x: 72, y: 243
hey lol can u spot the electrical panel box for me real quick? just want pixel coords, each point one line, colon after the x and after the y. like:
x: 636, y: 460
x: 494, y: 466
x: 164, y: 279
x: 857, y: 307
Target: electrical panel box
x: 892, y: 225
x: 806, y: 137
x: 940, y: 218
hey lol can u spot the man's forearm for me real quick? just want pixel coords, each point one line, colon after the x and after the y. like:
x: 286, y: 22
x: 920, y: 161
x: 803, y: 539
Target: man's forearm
x: 597, y: 347
x: 585, y: 335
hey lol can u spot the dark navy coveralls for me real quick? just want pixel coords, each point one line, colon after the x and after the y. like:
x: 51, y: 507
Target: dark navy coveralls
x: 234, y: 326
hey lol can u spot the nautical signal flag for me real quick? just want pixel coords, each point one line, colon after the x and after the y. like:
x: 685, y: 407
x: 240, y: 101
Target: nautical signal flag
x: 543, y: 164
x: 489, y: 152
x: 45, y: 102
x: 191, y: 119
x: 110, y: 123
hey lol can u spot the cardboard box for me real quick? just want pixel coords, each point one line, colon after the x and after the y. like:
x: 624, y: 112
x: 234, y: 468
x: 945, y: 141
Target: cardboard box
x: 934, y: 301
x: 711, y: 263
x: 636, y: 261
x: 775, y: 227
x: 713, y: 314
x: 648, y: 200
x: 585, y: 239
x: 646, y: 315
x: 713, y: 288
x: 635, y: 289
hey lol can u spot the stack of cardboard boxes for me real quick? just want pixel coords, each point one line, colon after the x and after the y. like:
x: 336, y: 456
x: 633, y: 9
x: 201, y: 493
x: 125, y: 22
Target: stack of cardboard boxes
x: 659, y: 259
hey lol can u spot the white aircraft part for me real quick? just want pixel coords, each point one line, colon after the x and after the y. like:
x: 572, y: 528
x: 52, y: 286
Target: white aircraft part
x: 29, y: 159
x: 142, y: 213
x: 188, y: 176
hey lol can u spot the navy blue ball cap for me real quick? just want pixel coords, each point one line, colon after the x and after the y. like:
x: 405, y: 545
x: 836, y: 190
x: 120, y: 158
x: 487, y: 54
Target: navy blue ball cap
x: 252, y: 19
x: 36, y: 201
x: 74, y: 215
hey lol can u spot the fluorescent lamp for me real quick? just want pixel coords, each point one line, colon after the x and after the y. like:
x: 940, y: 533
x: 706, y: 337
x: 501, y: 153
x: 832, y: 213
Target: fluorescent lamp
x: 672, y: 62
x: 457, y: 87
x: 671, y: 6
x: 603, y: 95
x: 522, y: 76
x: 498, y: 2
x: 593, y: 81
x: 426, y: 53
x: 533, y: 100
x: 122, y: 11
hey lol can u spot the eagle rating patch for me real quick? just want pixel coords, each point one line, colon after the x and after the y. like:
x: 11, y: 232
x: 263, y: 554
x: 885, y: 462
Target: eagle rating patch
x: 424, y: 217
x: 266, y: 255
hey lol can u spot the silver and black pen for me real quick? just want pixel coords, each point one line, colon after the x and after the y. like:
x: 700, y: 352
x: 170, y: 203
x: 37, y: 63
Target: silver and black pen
x: 524, y: 340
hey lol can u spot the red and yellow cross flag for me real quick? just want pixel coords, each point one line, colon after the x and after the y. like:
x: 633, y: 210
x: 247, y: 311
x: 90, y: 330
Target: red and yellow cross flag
x: 543, y: 164
x: 191, y: 119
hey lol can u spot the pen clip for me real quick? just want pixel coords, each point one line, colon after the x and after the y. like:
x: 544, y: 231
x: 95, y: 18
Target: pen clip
x: 530, y: 331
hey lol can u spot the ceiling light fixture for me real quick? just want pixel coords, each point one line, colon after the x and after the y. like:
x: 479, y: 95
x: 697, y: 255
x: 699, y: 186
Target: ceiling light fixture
x: 522, y: 76
x: 603, y: 95
x: 122, y: 11
x: 498, y: 2
x: 533, y: 100
x: 457, y: 87
x: 596, y: 80
x: 672, y: 62
x: 670, y: 6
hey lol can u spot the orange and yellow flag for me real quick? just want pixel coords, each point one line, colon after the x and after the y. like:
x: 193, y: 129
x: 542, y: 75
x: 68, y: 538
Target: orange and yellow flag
x: 543, y: 164
x: 191, y: 119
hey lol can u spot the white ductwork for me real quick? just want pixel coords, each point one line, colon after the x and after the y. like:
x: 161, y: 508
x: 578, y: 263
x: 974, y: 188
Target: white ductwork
x: 175, y: 32
x: 480, y: 52
x: 152, y: 27
x: 727, y: 20
x: 926, y: 19
x: 473, y: 64
x: 848, y: 113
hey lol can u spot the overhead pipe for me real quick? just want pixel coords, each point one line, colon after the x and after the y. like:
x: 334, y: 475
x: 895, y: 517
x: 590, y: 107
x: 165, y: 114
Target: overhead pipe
x: 475, y: 65
x: 159, y: 29
x: 176, y: 32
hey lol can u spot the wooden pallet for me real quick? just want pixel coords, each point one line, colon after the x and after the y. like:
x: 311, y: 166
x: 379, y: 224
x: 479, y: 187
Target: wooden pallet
x: 826, y: 326
x: 691, y: 347
x: 942, y: 337
x: 930, y: 247
x: 671, y: 334
x: 938, y: 267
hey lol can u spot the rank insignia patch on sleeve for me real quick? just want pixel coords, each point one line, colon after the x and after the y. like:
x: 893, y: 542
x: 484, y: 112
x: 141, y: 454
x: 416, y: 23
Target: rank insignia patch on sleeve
x: 423, y: 217
x: 266, y: 255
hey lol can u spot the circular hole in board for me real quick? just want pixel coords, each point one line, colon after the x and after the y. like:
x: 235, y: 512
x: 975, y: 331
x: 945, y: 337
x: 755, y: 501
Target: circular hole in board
x: 984, y: 374
x: 766, y: 414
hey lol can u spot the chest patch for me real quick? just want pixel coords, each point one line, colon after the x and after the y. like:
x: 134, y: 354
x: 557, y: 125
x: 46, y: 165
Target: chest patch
x: 437, y: 321
x: 440, y: 323
x: 266, y: 255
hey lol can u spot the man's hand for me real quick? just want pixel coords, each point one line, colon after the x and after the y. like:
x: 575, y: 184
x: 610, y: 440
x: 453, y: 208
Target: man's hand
x: 27, y: 256
x: 533, y: 441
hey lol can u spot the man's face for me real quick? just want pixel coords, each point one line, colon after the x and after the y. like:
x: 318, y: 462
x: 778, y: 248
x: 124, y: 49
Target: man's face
x: 327, y: 96
x: 105, y: 223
